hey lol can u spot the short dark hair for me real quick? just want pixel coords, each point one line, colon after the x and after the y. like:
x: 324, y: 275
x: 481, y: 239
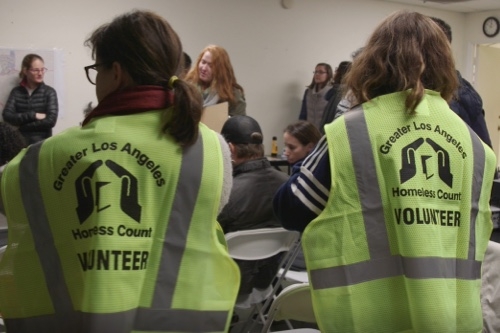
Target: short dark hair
x: 444, y: 26
x: 187, y: 60
x: 342, y: 69
x: 249, y: 150
x: 11, y: 142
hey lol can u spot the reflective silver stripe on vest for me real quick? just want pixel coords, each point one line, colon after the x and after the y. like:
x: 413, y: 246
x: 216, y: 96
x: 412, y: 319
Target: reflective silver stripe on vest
x: 161, y: 317
x: 382, y: 264
x: 170, y: 320
x: 44, y: 243
x: 479, y: 160
x: 368, y: 188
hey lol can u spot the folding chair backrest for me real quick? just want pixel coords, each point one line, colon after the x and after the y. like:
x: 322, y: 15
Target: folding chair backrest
x: 294, y: 302
x: 260, y: 243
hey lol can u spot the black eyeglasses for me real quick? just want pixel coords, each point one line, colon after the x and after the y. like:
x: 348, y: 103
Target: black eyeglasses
x: 91, y: 72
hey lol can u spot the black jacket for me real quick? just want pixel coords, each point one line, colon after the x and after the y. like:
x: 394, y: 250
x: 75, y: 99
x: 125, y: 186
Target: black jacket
x: 469, y: 106
x: 21, y: 109
x: 250, y: 204
x: 333, y: 96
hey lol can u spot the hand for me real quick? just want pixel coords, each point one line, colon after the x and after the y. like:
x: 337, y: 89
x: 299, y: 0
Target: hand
x: 40, y: 116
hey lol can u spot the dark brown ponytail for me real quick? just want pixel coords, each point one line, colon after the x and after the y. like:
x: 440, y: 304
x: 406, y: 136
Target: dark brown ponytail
x: 188, y: 106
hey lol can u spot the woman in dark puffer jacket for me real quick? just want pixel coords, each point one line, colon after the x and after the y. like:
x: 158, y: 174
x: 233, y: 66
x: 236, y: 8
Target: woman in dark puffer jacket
x: 32, y: 106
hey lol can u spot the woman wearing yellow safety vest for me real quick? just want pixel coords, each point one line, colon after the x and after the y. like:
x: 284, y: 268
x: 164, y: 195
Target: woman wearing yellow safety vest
x: 395, y: 198
x: 112, y: 225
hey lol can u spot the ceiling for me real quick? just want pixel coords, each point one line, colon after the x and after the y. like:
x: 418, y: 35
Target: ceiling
x: 467, y: 6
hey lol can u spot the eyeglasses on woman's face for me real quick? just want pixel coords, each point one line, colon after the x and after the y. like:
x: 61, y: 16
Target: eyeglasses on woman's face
x: 38, y: 70
x: 91, y: 72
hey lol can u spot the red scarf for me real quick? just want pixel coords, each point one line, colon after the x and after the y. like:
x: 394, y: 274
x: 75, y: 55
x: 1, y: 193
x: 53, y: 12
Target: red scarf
x: 130, y: 101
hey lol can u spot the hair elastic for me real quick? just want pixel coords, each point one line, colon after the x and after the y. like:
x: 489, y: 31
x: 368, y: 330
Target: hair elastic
x: 172, y: 80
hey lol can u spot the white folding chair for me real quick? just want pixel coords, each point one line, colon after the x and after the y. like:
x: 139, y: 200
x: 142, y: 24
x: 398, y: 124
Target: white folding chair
x: 294, y: 276
x: 293, y: 303
x: 260, y: 244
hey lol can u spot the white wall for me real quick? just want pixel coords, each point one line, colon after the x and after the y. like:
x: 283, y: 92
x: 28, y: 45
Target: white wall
x: 485, y: 78
x: 273, y: 50
x: 473, y: 35
x: 488, y: 81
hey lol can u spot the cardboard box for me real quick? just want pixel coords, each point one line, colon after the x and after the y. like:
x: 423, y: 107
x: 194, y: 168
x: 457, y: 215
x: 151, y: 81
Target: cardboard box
x: 214, y: 116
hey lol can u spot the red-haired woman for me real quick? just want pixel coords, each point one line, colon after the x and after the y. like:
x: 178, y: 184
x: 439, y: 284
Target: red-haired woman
x: 213, y: 74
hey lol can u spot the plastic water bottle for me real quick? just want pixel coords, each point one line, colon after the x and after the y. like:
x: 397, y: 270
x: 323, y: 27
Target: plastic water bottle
x: 274, y: 147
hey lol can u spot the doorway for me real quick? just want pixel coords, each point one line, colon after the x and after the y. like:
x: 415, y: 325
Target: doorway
x: 487, y: 83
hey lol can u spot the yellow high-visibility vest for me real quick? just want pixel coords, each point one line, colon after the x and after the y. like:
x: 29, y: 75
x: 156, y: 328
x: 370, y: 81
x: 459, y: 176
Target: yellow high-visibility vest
x: 113, y: 229
x: 399, y: 246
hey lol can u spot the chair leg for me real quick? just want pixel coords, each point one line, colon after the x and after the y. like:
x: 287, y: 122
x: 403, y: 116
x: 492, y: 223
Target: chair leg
x: 250, y: 321
x: 259, y: 317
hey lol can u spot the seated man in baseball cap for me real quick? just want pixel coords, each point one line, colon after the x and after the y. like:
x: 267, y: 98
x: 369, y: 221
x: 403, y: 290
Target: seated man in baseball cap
x: 255, y: 182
